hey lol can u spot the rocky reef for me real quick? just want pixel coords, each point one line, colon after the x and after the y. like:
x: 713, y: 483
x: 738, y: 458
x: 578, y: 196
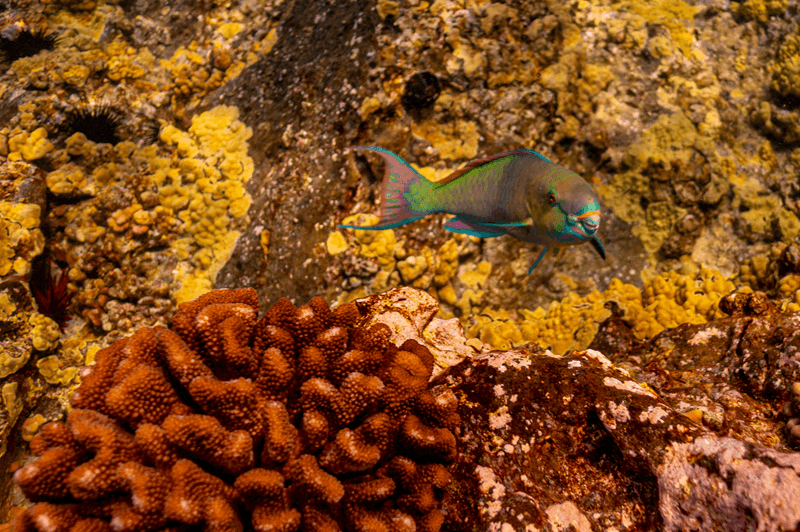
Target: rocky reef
x: 311, y: 419
x: 687, y: 431
x: 151, y: 153
x: 180, y: 157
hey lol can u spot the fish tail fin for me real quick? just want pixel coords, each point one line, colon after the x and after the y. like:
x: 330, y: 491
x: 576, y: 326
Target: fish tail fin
x: 405, y: 195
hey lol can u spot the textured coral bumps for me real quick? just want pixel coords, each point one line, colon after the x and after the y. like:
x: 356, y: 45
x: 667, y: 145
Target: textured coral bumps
x: 300, y: 420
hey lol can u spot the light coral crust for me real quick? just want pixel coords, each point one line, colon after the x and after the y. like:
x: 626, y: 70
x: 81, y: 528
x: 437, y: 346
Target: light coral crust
x: 298, y: 421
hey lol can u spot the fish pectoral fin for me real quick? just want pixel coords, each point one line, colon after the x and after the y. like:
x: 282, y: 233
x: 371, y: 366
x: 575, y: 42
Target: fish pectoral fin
x: 382, y: 225
x: 538, y: 260
x: 524, y: 223
x: 598, y: 247
x: 457, y: 225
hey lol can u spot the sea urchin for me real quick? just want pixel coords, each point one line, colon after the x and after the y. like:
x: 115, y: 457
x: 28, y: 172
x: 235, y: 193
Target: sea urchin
x: 19, y: 42
x: 98, y: 123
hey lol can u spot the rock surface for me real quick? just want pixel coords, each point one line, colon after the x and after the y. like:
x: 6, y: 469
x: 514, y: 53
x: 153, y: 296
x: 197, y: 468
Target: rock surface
x: 548, y: 442
x: 551, y: 442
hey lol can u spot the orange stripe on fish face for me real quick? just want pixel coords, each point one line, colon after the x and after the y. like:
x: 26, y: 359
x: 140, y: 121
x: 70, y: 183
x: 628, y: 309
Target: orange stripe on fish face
x: 587, y: 214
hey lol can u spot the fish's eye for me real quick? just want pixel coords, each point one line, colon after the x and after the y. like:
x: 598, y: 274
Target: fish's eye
x: 551, y: 197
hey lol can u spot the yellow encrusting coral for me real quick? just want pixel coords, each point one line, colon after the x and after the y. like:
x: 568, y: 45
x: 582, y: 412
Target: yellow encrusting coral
x: 31, y: 426
x: 10, y: 409
x: 453, y: 141
x: 335, y: 243
x: 126, y: 62
x: 759, y: 10
x: 674, y: 15
x: 195, y: 74
x: 786, y: 68
x: 667, y: 300
x: 10, y: 364
x: 762, y: 211
x: 45, y: 333
x: 7, y: 307
x: 50, y: 368
x: 427, y: 268
x: 670, y: 138
x: 205, y: 189
x: 374, y: 244
x: 29, y: 146
x: 20, y: 237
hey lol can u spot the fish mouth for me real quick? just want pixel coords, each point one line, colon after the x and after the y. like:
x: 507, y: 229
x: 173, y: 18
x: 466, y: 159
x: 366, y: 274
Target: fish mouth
x: 589, y: 222
x: 590, y: 229
x: 584, y: 226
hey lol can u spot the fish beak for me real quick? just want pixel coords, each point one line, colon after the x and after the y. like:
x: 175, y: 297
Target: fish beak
x: 590, y: 221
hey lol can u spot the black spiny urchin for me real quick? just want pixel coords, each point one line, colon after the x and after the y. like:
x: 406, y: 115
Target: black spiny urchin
x: 421, y: 91
x: 150, y: 132
x: 17, y: 42
x: 98, y: 123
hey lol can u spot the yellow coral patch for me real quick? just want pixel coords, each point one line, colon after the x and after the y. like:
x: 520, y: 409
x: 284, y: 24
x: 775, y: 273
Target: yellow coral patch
x: 230, y: 30
x: 369, y: 106
x: 20, y: 237
x: 9, y: 363
x: 786, y: 68
x: 31, y: 426
x: 13, y: 407
x: 205, y: 189
x: 52, y: 372
x: 475, y: 278
x: 268, y: 42
x: 374, y: 244
x: 91, y: 352
x: 670, y: 138
x: 336, y: 243
x: 465, y: 57
x: 762, y: 210
x: 387, y: 7
x: 674, y: 15
x: 455, y: 140
x: 29, y: 146
x: 413, y: 268
x: 7, y: 307
x: 667, y: 300
x: 45, y: 333
x: 69, y: 179
x: 446, y: 263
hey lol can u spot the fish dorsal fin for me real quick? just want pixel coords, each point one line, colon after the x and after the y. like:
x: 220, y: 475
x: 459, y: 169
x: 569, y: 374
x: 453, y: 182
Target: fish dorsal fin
x: 480, y: 162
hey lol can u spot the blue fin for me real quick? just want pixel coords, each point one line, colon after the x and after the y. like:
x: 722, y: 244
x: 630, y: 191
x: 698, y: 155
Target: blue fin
x: 457, y: 225
x: 380, y: 226
x: 535, y: 153
x: 598, y: 246
x: 535, y: 264
x: 396, y: 209
x: 507, y: 224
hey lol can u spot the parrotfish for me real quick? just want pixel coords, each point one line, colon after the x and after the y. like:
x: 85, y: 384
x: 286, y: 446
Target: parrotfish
x: 519, y: 193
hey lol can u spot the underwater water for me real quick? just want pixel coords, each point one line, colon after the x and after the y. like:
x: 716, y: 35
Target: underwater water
x: 152, y: 153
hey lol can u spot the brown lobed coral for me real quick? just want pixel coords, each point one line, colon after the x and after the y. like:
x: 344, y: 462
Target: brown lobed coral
x: 300, y: 420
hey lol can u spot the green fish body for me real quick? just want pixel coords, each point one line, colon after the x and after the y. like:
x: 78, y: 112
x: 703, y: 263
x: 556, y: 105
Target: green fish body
x: 519, y: 193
